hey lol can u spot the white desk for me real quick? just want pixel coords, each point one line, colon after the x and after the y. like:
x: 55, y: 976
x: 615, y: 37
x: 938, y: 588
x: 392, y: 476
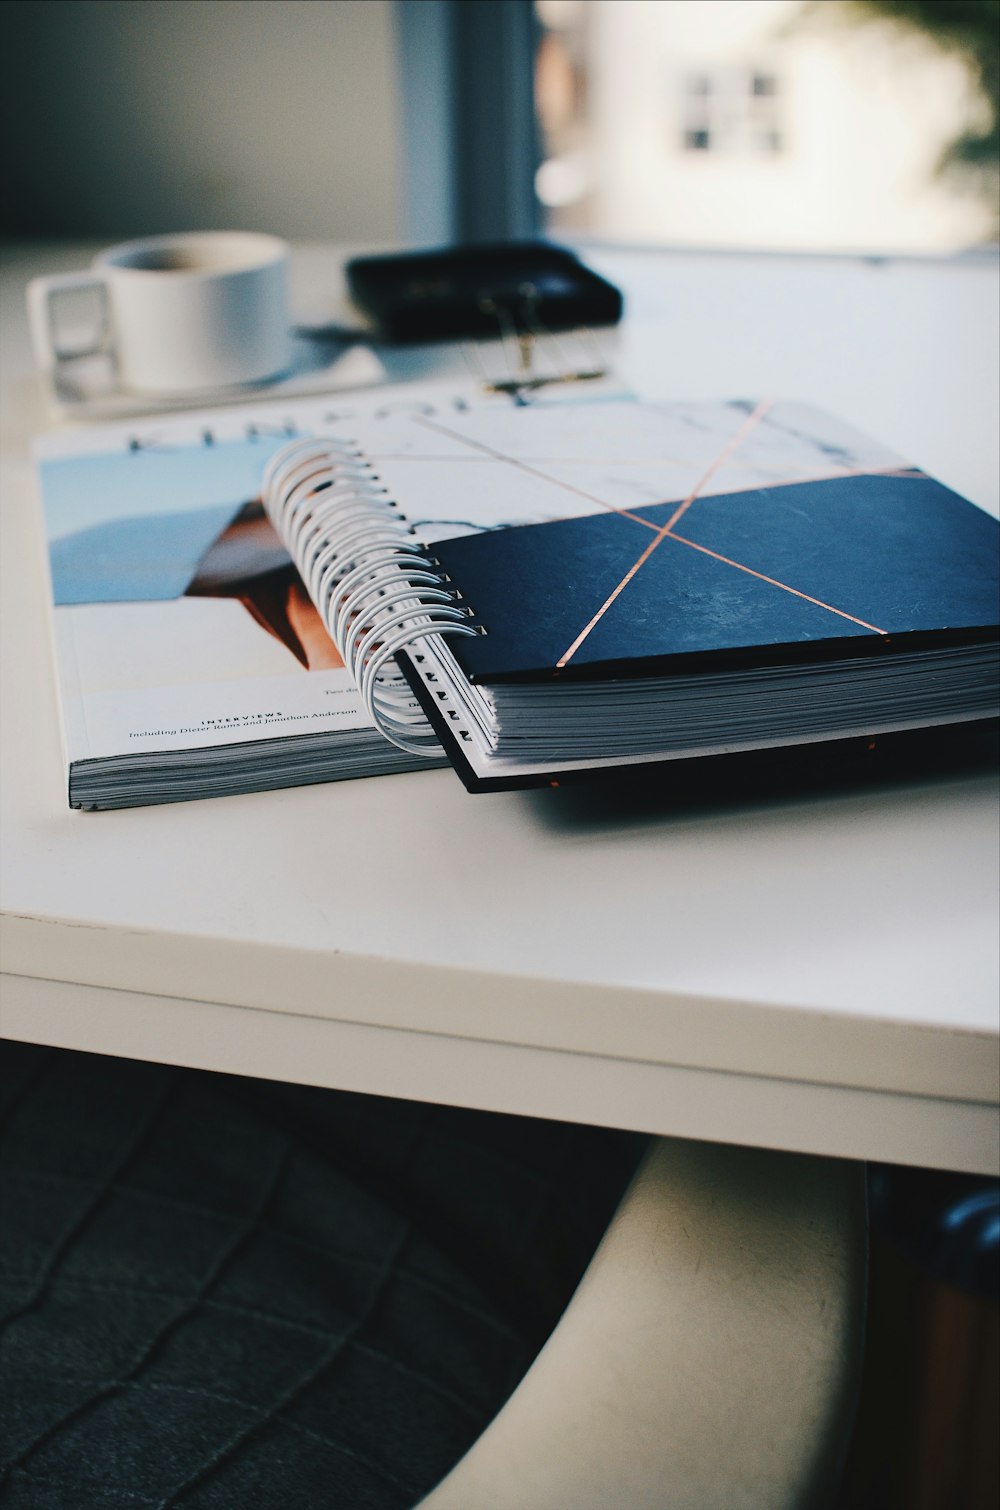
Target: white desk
x: 816, y: 974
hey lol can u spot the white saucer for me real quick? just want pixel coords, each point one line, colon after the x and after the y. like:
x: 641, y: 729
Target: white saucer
x: 87, y: 388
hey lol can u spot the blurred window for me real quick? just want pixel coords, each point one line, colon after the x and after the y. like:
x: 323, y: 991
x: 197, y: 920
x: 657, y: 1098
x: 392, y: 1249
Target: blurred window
x: 817, y: 125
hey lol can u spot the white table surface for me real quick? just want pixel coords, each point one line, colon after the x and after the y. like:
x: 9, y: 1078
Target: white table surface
x: 815, y: 973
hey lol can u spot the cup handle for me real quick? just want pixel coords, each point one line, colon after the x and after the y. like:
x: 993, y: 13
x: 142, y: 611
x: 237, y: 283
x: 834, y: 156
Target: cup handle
x: 43, y: 296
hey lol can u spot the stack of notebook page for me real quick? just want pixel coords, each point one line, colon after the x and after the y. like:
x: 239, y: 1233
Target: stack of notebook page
x: 611, y: 585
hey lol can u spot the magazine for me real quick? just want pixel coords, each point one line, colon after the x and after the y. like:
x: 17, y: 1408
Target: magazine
x: 190, y: 659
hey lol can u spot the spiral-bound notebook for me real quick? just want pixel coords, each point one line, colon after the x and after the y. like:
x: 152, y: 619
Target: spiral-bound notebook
x: 659, y: 583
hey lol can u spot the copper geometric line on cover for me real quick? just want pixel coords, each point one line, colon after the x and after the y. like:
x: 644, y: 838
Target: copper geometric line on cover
x: 667, y: 530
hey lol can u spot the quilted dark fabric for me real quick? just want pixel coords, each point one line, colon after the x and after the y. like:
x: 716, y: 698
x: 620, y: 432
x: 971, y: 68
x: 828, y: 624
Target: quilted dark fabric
x: 235, y: 1294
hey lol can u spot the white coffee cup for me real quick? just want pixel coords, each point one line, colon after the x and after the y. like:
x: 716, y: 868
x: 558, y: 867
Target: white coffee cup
x: 183, y: 313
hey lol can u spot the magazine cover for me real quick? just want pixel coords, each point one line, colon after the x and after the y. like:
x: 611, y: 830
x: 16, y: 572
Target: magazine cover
x: 190, y: 659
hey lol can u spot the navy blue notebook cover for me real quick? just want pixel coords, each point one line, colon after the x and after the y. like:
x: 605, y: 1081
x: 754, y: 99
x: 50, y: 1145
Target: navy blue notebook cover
x: 843, y: 566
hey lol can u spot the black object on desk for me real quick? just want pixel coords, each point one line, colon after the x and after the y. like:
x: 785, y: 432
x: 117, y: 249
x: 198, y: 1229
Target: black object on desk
x: 531, y: 287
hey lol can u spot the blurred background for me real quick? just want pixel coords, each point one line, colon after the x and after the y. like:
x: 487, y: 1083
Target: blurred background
x: 807, y: 125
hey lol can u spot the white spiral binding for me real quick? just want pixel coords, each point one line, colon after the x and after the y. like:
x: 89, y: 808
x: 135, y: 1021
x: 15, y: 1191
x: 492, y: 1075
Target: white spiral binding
x: 377, y: 589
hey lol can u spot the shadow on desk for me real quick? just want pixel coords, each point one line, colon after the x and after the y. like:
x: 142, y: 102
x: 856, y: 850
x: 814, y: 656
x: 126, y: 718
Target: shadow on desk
x: 638, y: 795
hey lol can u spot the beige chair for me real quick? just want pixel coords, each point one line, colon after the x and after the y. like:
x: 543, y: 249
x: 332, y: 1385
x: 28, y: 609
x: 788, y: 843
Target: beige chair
x: 709, y: 1358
